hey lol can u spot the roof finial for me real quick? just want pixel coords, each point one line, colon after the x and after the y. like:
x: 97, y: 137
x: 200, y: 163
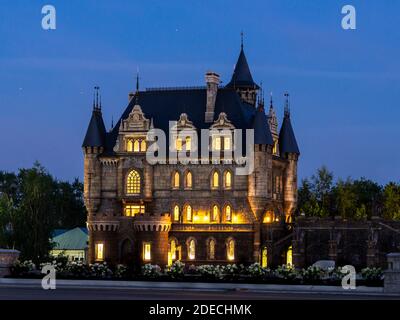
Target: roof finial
x: 137, y: 85
x: 287, y: 105
x: 271, y: 104
x: 241, y: 39
x: 96, y: 98
x: 112, y: 122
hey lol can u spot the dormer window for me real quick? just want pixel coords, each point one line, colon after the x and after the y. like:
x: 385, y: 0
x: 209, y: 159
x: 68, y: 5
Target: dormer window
x: 216, y: 143
x: 185, y: 144
x: 136, y: 145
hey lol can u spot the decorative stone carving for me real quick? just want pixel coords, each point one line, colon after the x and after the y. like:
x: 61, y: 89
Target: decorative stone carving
x: 222, y: 122
x: 136, y: 121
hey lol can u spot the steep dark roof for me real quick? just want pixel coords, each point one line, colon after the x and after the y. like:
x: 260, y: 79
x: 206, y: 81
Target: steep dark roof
x: 287, y: 139
x: 167, y: 105
x: 241, y: 75
x: 262, y: 133
x: 95, y: 133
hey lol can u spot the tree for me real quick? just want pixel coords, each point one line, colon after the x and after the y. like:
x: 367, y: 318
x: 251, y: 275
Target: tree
x: 307, y: 202
x: 391, y: 201
x: 322, y: 187
x: 345, y: 198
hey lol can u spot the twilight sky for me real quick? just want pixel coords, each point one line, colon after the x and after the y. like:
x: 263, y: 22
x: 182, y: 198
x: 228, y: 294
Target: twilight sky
x: 344, y: 84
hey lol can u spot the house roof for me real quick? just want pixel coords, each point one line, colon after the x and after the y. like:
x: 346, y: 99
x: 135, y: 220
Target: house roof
x: 262, y: 133
x: 74, y: 239
x: 241, y: 75
x: 287, y: 139
x: 96, y: 130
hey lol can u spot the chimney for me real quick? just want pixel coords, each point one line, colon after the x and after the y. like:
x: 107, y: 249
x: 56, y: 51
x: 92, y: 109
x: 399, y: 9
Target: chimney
x: 212, y: 81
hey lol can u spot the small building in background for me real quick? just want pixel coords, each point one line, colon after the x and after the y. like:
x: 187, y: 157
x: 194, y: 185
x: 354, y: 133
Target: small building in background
x: 71, y: 243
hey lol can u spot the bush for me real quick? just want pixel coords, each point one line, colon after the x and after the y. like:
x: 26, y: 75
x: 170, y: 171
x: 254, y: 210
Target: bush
x: 77, y: 269
x: 176, y: 270
x: 151, y: 271
x: 312, y: 274
x: 121, y: 271
x: 286, y: 272
x: 23, y: 268
x: 211, y: 271
x: 100, y: 270
x: 372, y: 274
x: 255, y: 270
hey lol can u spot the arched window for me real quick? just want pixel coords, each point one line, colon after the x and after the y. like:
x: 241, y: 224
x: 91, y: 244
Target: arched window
x: 289, y: 256
x: 188, y: 143
x: 189, y: 213
x: 172, y: 248
x: 230, y: 249
x: 215, y: 213
x: 228, y: 179
x: 188, y: 180
x: 133, y: 183
x: 215, y: 180
x: 143, y: 145
x: 192, y: 249
x: 227, y: 143
x: 129, y: 146
x: 264, y: 258
x: 228, y: 213
x: 176, y: 180
x: 176, y: 213
x: 211, y: 249
x: 136, y: 145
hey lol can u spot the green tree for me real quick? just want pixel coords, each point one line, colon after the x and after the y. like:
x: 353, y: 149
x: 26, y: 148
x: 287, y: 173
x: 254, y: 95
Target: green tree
x: 307, y: 202
x: 391, y: 201
x: 322, y: 186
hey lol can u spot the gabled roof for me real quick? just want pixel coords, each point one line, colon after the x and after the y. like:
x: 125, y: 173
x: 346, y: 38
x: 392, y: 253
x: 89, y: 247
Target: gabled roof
x: 262, y: 133
x: 241, y: 75
x: 287, y: 139
x: 96, y: 130
x: 166, y: 105
x: 74, y: 239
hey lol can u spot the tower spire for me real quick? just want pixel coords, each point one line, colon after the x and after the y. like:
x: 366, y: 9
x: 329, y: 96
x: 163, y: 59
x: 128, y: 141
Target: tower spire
x: 137, y: 86
x: 287, y: 105
x: 96, y: 99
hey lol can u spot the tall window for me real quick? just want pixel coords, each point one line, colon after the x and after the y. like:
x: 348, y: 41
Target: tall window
x: 215, y: 213
x: 188, y: 179
x: 172, y: 246
x: 178, y: 144
x: 146, y: 251
x: 289, y: 256
x: 227, y: 143
x: 215, y: 180
x: 176, y: 213
x: 99, y: 251
x: 136, y: 146
x: 192, y: 249
x: 143, y: 145
x: 211, y: 249
x: 133, y: 183
x: 264, y: 258
x: 189, y: 213
x: 228, y: 179
x: 176, y: 180
x: 231, y: 249
x: 228, y: 213
x: 129, y: 145
x: 216, y: 143
x: 188, y: 143
x: 130, y: 210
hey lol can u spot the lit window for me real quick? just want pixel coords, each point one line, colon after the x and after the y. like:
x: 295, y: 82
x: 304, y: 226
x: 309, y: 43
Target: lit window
x: 231, y: 249
x: 211, y: 249
x: 131, y: 210
x: 147, y: 251
x: 188, y: 180
x: 228, y: 213
x: 133, y: 183
x: 178, y: 144
x: 143, y: 146
x: 136, y: 146
x: 289, y: 256
x: 215, y: 213
x: 227, y: 143
x: 215, y: 180
x: 192, y: 250
x: 173, y: 249
x: 275, y: 148
x: 216, y: 143
x: 264, y: 258
x: 189, y: 214
x: 176, y: 179
x: 176, y: 213
x: 228, y: 179
x: 269, y: 217
x: 188, y: 143
x: 129, y: 146
x: 100, y: 251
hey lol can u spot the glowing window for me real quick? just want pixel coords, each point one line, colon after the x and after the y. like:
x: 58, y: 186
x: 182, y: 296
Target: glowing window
x: 192, y: 250
x: 211, y: 249
x: 136, y: 146
x: 188, y: 143
x: 216, y: 143
x: 178, y: 144
x: 215, y: 180
x: 231, y: 250
x: 131, y: 210
x: 189, y: 213
x: 188, y: 179
x: 215, y: 213
x: 172, y: 246
x: 269, y: 217
x: 129, y: 146
x: 275, y: 148
x: 176, y: 213
x: 264, y: 258
x: 176, y: 179
x: 147, y: 251
x: 228, y: 179
x: 227, y: 143
x: 143, y: 145
x: 133, y: 183
x: 228, y: 213
x: 289, y: 256
x: 100, y: 251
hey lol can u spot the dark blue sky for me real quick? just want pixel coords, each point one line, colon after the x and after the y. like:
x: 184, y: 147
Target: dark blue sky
x: 344, y: 85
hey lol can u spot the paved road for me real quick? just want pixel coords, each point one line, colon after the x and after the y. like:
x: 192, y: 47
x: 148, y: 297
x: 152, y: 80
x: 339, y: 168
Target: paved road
x: 26, y: 292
